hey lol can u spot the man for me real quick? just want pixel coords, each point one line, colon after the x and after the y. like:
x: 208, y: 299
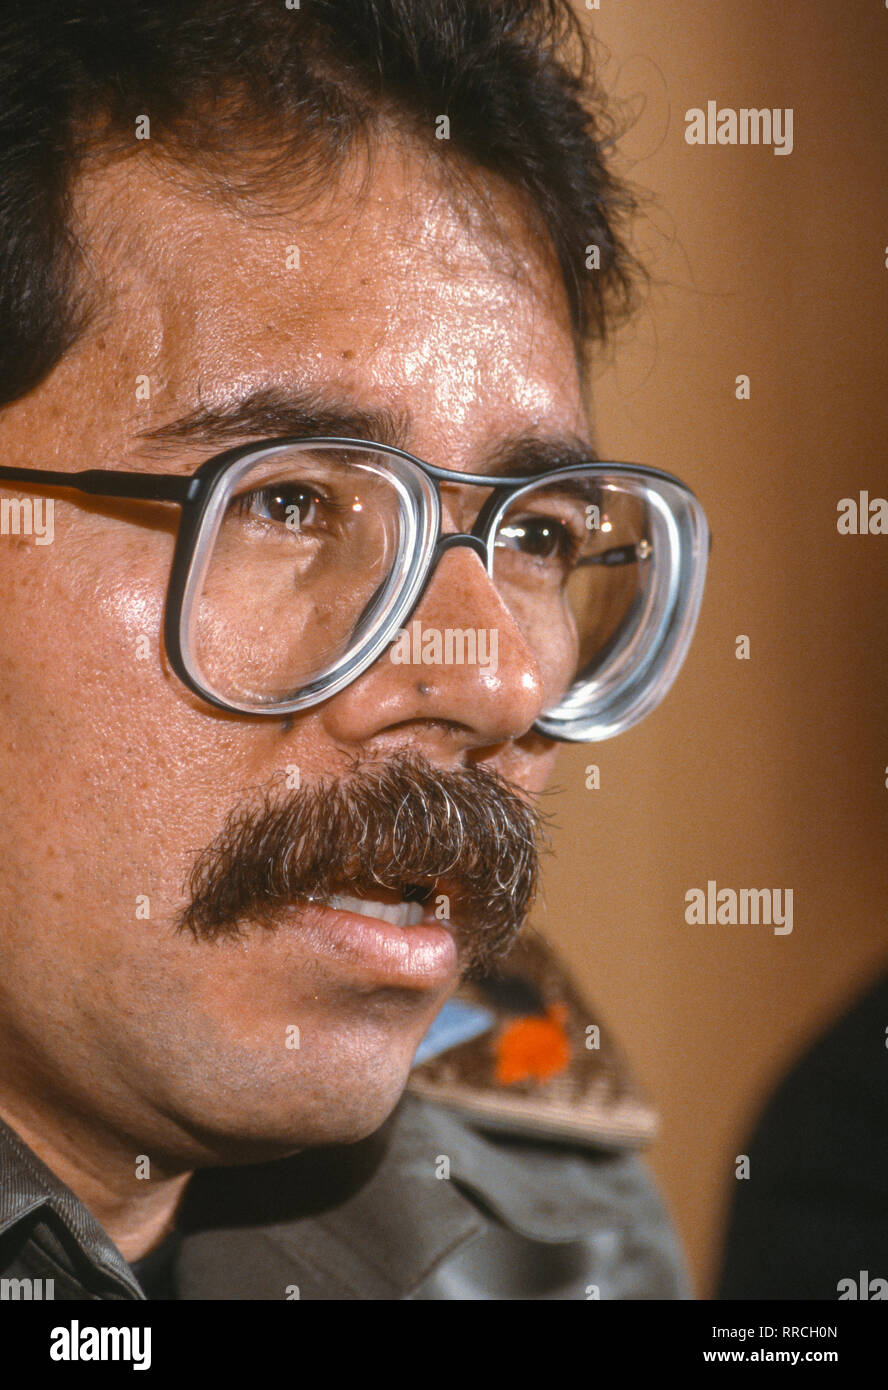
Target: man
x: 294, y: 290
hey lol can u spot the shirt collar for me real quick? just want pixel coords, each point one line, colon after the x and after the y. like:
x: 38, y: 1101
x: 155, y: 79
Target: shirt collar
x: 27, y: 1186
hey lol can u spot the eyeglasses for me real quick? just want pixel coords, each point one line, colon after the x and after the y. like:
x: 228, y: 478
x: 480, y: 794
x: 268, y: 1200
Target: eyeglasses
x: 298, y: 562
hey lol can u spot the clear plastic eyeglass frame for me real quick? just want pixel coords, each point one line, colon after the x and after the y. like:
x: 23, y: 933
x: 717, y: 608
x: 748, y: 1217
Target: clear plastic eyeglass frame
x: 595, y: 707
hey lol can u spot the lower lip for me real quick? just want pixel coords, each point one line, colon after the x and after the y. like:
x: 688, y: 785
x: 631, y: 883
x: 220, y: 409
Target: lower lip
x: 424, y: 956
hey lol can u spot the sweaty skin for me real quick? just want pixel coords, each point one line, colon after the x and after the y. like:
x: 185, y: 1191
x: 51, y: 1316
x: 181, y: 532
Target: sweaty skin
x: 118, y: 1036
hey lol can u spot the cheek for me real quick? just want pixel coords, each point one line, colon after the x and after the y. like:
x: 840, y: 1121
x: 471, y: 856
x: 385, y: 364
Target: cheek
x: 115, y: 775
x: 542, y: 764
x: 85, y: 612
x: 82, y: 661
x: 73, y: 736
x: 94, y: 722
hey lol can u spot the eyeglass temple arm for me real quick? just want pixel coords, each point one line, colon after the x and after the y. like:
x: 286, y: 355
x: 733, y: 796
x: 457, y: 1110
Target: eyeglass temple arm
x: 623, y: 555
x: 617, y: 555
x: 102, y: 482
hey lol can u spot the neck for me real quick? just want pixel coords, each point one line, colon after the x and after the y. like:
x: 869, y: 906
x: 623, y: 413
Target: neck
x: 131, y: 1196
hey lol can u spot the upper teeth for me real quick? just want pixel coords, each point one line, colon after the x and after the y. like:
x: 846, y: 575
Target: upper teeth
x: 399, y: 914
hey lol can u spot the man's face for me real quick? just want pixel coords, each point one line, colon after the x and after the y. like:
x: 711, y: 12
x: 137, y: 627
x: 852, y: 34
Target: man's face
x: 116, y: 777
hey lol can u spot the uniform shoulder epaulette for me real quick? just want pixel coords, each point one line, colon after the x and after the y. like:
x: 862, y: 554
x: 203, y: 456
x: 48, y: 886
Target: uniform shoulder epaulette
x: 539, y: 1062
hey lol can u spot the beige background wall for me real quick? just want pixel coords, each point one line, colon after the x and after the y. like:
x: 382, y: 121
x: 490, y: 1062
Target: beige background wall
x: 769, y: 772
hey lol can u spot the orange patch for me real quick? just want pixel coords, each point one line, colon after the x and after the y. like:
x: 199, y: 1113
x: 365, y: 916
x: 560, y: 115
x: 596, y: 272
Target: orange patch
x: 533, y: 1048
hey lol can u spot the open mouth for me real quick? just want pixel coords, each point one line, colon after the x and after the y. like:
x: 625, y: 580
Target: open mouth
x: 408, y: 907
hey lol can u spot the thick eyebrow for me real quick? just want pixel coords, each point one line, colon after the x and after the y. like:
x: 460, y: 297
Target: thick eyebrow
x: 275, y: 412
x: 523, y: 456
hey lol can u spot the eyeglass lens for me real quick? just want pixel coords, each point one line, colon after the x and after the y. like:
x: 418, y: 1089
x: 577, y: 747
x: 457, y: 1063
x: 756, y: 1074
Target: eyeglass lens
x: 309, y: 549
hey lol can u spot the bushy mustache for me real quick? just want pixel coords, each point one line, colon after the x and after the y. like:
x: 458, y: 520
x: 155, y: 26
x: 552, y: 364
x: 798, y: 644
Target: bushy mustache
x: 396, y: 825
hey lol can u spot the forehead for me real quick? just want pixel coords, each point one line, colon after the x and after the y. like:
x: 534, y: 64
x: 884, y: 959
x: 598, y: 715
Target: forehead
x: 395, y: 286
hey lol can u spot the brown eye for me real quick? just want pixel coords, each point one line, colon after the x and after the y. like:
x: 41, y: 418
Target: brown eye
x: 541, y: 538
x: 285, y: 504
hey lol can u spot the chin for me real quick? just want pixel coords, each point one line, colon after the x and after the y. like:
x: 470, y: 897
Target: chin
x: 260, y: 1124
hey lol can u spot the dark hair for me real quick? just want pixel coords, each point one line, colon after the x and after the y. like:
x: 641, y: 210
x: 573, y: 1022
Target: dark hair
x: 223, y: 80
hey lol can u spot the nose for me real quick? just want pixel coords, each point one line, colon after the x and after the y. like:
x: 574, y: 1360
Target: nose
x: 461, y: 667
